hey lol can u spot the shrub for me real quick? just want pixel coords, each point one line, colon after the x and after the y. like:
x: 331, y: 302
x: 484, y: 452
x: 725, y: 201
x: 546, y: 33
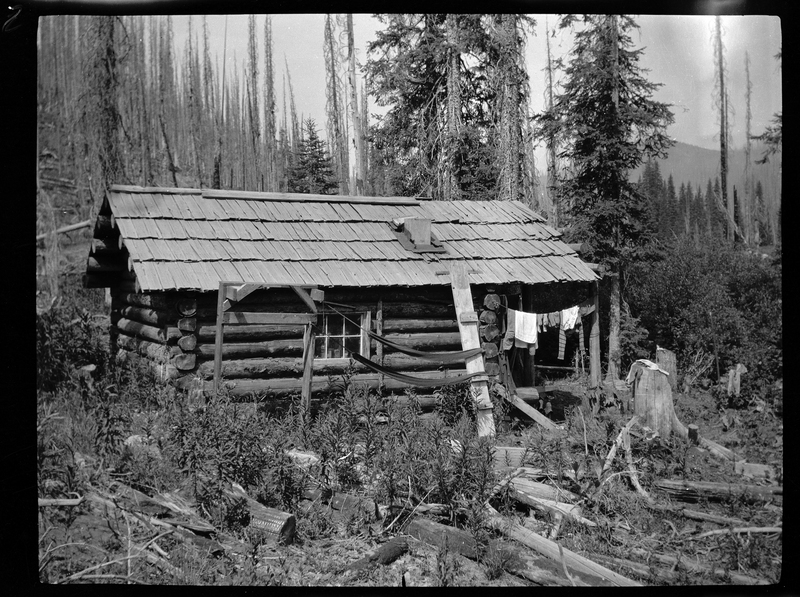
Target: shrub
x: 716, y: 300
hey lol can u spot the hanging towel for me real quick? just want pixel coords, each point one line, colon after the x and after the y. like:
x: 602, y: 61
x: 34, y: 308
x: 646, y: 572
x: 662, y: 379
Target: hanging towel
x: 562, y: 344
x: 569, y: 317
x: 508, y: 339
x: 525, y: 328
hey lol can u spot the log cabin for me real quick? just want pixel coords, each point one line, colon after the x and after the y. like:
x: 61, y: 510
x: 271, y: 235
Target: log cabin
x: 241, y: 287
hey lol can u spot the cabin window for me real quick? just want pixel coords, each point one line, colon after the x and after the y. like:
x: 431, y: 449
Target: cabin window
x: 340, y: 335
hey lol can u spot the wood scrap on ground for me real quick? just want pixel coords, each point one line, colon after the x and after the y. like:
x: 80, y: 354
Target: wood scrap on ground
x: 384, y: 555
x: 691, y: 491
x: 515, y: 561
x: 551, y: 549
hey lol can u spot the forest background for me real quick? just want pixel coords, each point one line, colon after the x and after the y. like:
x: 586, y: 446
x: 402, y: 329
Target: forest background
x: 440, y: 106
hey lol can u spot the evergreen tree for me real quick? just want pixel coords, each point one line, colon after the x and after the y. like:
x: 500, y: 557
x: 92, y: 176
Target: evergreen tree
x: 609, y: 124
x: 313, y: 168
x: 673, y: 216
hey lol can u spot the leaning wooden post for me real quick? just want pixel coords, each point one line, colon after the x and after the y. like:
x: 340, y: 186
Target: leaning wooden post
x: 309, y: 338
x: 218, y: 342
x: 470, y: 338
x: 594, y: 341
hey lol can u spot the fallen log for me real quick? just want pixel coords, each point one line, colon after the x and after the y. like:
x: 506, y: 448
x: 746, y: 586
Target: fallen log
x: 384, y: 555
x: 544, y: 491
x: 273, y: 524
x: 552, y: 550
x: 741, y: 531
x: 695, y: 515
x: 695, y: 566
x: 463, y: 543
x: 551, y: 506
x: 691, y: 491
x: 45, y: 502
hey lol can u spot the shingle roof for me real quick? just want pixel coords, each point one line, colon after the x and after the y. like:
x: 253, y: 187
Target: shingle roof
x: 193, y: 239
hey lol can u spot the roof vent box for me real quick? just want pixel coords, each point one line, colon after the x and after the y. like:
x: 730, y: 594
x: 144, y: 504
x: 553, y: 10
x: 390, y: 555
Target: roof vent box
x: 415, y: 235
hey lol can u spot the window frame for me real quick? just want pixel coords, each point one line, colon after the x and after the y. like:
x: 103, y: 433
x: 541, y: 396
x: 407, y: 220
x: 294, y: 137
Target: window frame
x: 364, y: 347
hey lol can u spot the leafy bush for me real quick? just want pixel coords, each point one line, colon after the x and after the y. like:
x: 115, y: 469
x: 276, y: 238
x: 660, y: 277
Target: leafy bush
x: 716, y: 300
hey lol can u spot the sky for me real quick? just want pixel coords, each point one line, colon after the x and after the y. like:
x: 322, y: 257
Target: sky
x: 678, y: 52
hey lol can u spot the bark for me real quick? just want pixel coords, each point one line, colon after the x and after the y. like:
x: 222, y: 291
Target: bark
x: 384, y: 555
x: 692, y: 491
x: 614, y: 330
x: 148, y: 332
x: 666, y: 360
x: 727, y: 201
x: 515, y: 561
x: 652, y: 402
x: 553, y: 551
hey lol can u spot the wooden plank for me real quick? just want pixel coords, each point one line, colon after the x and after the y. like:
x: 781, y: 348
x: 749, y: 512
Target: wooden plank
x: 218, y: 344
x: 306, y: 298
x: 470, y: 338
x: 309, y: 340
x: 530, y: 411
x: 553, y: 551
x: 240, y: 317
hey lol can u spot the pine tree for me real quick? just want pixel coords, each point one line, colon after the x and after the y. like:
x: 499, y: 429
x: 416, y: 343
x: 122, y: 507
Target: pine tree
x: 313, y: 170
x: 609, y: 124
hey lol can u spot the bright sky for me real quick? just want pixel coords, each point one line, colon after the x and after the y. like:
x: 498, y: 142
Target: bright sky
x: 678, y: 52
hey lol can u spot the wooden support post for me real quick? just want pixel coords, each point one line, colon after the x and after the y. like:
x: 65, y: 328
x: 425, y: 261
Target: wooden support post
x: 594, y: 341
x: 528, y: 360
x: 470, y: 338
x: 379, y: 331
x: 218, y: 345
x: 309, y: 338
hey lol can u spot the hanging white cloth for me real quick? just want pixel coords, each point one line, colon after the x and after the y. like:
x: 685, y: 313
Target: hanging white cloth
x: 569, y: 317
x: 525, y: 327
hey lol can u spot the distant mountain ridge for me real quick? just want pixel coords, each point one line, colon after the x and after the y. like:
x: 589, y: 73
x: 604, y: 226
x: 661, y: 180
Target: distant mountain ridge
x: 696, y: 165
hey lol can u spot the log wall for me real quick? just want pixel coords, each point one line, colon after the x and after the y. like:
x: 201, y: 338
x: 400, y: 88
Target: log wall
x: 178, y: 330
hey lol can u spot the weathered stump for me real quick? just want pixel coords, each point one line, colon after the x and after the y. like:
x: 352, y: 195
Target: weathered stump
x: 666, y: 360
x: 652, y: 400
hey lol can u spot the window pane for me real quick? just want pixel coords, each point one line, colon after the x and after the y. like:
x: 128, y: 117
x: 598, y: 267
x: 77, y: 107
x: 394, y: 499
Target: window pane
x: 353, y: 344
x: 334, y: 348
x: 350, y: 327
x: 334, y: 325
x: 319, y: 347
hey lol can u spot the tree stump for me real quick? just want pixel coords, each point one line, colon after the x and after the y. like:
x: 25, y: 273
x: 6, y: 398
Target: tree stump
x: 666, y: 360
x: 652, y: 399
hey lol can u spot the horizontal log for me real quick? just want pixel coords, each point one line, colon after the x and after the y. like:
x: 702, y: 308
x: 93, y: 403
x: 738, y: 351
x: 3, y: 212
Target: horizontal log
x: 156, y: 301
x: 185, y: 362
x: 288, y: 366
x: 142, y: 330
x: 146, y: 315
x: 440, y: 341
x: 695, y: 566
x: 207, y: 332
x: 104, y: 266
x: 384, y: 555
x: 321, y: 385
x: 419, y: 325
x: 152, y: 350
x: 187, y: 324
x: 186, y: 307
x: 244, y: 350
x: 244, y: 318
x: 693, y: 490
x: 187, y: 343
